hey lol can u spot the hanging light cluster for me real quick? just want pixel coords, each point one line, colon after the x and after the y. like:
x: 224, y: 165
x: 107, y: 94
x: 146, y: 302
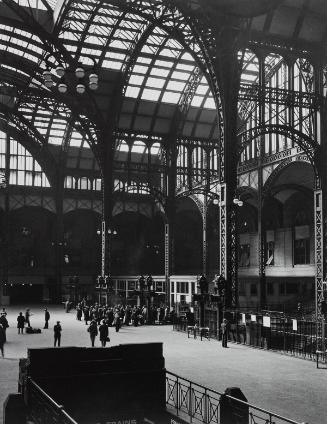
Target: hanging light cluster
x: 80, y: 74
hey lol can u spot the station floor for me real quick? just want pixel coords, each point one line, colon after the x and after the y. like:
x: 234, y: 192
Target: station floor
x: 285, y: 385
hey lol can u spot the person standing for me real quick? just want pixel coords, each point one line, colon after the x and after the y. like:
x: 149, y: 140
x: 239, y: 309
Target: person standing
x: 57, y: 333
x: 4, y: 323
x: 86, y: 315
x: 27, y: 317
x: 20, y: 322
x: 104, y: 333
x: 224, y: 332
x: 93, y: 330
x: 2, y: 340
x: 46, y: 318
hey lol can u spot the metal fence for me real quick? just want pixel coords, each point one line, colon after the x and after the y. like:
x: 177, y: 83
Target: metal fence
x: 197, y: 404
x: 282, y: 334
x: 42, y: 408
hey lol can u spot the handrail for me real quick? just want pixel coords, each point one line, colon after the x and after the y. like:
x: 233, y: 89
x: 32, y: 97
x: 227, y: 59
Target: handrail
x: 239, y: 401
x: 56, y: 405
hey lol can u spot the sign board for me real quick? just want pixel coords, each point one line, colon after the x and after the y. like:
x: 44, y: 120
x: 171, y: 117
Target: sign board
x: 253, y: 318
x: 294, y: 324
x: 266, y: 321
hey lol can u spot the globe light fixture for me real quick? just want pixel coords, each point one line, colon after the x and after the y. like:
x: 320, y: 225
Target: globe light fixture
x: 79, y: 72
x: 80, y: 88
x: 62, y: 87
x: 46, y: 75
x: 60, y: 70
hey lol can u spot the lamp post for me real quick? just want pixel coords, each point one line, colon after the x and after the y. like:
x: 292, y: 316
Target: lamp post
x: 104, y: 276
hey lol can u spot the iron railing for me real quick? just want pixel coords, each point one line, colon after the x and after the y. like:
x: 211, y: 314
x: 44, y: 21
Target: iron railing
x: 42, y: 408
x: 197, y: 404
x: 280, y: 336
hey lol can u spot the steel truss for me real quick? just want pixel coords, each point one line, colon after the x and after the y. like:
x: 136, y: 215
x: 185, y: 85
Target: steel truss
x: 279, y: 96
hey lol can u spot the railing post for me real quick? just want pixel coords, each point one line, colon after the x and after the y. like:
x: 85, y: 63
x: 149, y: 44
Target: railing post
x: 205, y: 406
x: 190, y: 408
x: 177, y: 394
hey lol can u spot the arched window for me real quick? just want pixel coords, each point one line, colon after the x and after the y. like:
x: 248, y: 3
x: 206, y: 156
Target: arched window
x: 24, y: 169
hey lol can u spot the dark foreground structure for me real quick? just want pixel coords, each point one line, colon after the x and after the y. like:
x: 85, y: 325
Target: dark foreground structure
x: 125, y: 384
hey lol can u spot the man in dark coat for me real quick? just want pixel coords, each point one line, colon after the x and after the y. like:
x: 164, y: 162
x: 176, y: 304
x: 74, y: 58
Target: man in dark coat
x: 57, y: 333
x: 4, y: 323
x: 93, y: 330
x: 2, y: 340
x: 224, y: 332
x: 46, y: 318
x: 20, y: 322
x: 104, y: 333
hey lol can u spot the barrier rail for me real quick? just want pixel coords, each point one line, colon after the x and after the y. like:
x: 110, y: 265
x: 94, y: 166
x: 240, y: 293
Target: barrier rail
x: 280, y: 336
x: 198, y: 404
x: 43, y: 409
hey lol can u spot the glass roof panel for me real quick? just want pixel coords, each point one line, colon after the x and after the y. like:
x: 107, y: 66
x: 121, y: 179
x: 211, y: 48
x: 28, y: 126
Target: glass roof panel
x: 149, y: 94
x: 171, y: 97
x: 35, y: 4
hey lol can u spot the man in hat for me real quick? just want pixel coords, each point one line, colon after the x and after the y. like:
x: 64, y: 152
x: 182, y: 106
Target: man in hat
x: 46, y: 318
x: 57, y: 333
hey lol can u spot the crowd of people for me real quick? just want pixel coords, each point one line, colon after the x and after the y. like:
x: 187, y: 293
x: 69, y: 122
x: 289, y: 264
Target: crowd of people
x: 98, y: 318
x: 101, y: 317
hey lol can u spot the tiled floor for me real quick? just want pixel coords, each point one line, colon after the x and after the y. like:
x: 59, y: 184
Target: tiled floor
x: 285, y: 385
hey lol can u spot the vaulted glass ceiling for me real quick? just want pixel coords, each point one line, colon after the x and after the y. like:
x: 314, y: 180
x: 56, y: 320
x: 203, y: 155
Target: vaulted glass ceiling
x: 140, y: 58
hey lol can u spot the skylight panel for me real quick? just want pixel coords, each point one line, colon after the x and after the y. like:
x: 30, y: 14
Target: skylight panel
x: 155, y: 82
x: 136, y: 79
x: 164, y: 63
x: 140, y: 69
x: 171, y: 97
x: 176, y: 85
x: 180, y: 75
x: 110, y: 64
x: 202, y: 89
x: 150, y: 49
x: 210, y: 103
x: 75, y: 142
x: 159, y: 72
x: 149, y: 94
x: 142, y: 59
x: 36, y: 4
x: 132, y: 91
x: 197, y: 101
x: 187, y: 56
x: 184, y: 67
x: 90, y: 52
x: 55, y: 140
x: 118, y: 44
x: 94, y: 39
x: 169, y: 53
